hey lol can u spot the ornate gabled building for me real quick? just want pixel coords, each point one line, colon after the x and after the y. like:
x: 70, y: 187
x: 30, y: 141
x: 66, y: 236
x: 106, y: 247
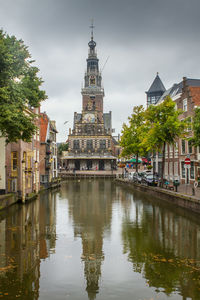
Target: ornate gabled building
x: 90, y: 141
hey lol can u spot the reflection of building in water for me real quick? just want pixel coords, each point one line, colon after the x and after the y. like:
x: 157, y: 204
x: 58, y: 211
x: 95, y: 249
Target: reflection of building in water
x: 92, y: 257
x: 90, y: 206
x: 25, y: 239
x: 163, y: 245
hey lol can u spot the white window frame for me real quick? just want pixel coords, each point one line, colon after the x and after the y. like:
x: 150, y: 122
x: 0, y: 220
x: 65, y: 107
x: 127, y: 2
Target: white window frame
x: 182, y: 163
x: 192, y: 163
x: 182, y: 147
x: 185, y: 104
x: 176, y: 150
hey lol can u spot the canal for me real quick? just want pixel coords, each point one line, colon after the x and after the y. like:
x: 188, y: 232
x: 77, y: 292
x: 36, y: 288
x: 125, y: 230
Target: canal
x: 93, y: 239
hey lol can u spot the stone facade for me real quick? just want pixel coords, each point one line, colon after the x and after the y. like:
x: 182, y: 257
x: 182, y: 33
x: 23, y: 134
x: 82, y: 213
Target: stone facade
x: 90, y: 142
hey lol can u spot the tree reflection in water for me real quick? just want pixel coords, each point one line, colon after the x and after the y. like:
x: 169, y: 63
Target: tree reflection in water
x: 164, y: 247
x: 97, y: 219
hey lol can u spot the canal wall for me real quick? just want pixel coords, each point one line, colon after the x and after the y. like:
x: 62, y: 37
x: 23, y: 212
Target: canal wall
x: 86, y: 175
x: 7, y: 200
x: 190, y: 202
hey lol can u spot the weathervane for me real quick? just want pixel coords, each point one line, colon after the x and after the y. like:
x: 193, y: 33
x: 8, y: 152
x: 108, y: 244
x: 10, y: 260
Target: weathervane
x: 92, y: 27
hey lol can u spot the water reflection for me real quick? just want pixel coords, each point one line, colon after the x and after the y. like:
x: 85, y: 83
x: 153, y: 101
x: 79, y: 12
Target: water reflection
x: 90, y: 207
x: 163, y: 246
x: 102, y: 242
x: 27, y: 235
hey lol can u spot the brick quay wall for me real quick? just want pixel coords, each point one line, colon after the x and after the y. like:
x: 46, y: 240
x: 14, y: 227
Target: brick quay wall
x: 189, y: 202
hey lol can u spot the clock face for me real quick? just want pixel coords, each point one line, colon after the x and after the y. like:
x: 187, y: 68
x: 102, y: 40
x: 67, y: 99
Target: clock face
x: 89, y: 118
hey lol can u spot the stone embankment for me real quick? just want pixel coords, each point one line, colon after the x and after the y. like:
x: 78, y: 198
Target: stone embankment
x: 7, y: 200
x: 189, y: 202
x: 87, y: 174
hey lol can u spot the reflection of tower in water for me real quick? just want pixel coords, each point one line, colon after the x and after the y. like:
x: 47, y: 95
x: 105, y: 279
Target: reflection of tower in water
x: 92, y: 257
x: 91, y: 207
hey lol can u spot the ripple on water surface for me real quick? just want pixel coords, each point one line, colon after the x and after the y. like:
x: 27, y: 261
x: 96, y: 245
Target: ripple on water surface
x: 93, y: 239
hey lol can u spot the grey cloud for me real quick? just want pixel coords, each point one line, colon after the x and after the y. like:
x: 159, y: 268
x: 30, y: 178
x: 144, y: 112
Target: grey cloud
x: 141, y: 37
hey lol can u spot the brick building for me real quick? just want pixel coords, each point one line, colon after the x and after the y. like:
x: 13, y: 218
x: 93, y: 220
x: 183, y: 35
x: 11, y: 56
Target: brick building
x: 90, y: 141
x: 186, y: 94
x: 48, y: 151
x: 22, y: 174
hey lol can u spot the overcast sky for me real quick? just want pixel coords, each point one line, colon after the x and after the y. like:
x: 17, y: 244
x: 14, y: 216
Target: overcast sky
x: 140, y: 37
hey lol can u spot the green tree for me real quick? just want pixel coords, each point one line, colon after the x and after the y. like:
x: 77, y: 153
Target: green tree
x: 19, y: 90
x: 196, y: 128
x: 164, y: 127
x: 62, y: 147
x: 131, y: 135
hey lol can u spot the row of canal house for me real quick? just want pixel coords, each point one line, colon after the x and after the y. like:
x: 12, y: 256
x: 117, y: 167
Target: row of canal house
x: 186, y: 95
x: 26, y: 167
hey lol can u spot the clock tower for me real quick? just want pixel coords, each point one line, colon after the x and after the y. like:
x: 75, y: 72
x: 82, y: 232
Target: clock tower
x: 90, y: 141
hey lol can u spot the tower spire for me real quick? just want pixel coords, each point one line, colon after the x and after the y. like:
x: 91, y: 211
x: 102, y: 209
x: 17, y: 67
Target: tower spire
x: 92, y: 27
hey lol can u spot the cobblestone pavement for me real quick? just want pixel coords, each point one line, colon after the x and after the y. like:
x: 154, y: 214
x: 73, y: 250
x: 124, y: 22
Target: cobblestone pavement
x: 188, y: 189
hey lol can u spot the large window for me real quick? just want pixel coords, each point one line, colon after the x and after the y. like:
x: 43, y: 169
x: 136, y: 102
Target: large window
x: 76, y: 144
x: 189, y: 146
x: 176, y: 149
x: 185, y: 105
x: 102, y: 144
x: 189, y: 124
x: 183, y: 146
x: 183, y: 169
x: 14, y: 160
x: 89, y: 145
x: 192, y: 170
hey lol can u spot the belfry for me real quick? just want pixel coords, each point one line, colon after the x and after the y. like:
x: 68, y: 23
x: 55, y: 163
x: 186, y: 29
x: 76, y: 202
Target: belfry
x: 90, y: 141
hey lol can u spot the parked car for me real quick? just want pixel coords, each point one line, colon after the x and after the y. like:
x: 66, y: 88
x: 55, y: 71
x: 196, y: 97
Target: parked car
x: 150, y: 179
x: 131, y: 175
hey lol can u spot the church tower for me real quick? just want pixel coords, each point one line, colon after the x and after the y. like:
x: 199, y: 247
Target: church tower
x: 92, y: 93
x: 90, y: 142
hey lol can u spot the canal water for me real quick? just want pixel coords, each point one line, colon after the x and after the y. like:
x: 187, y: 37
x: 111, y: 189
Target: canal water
x: 93, y: 239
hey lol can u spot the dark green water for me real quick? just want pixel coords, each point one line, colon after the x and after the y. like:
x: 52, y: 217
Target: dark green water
x: 93, y: 239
